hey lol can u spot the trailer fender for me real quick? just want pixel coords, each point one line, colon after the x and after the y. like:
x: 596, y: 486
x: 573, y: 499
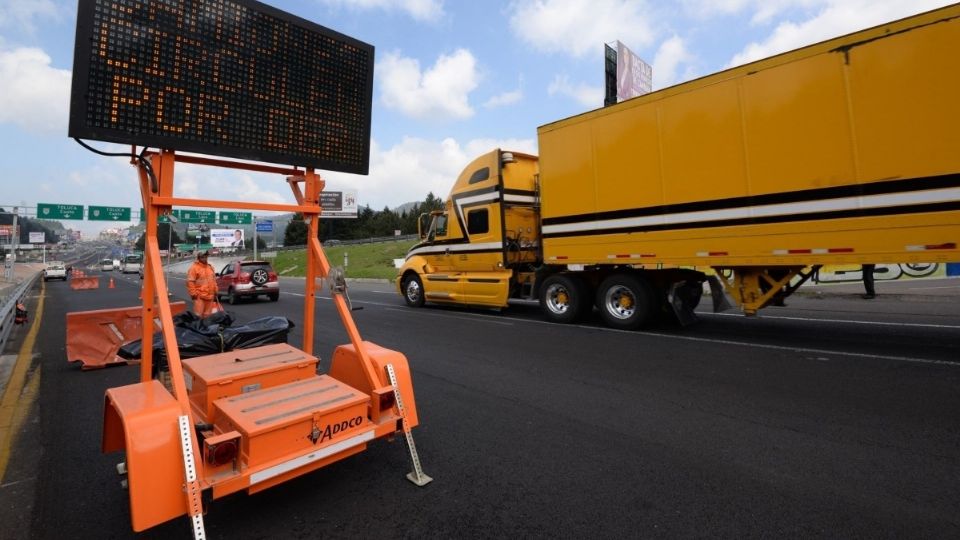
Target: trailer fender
x: 346, y: 367
x: 142, y: 419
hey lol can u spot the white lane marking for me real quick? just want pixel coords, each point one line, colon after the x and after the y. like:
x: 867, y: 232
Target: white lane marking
x: 931, y: 288
x: 807, y: 350
x: 821, y: 353
x: 464, y: 317
x: 833, y: 321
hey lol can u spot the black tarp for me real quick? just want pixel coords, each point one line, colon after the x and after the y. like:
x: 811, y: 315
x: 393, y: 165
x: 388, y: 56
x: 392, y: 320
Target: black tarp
x: 212, y: 335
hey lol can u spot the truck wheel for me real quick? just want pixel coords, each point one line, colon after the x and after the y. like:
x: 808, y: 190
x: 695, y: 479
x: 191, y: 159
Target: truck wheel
x: 563, y: 298
x: 626, y: 301
x: 413, y: 291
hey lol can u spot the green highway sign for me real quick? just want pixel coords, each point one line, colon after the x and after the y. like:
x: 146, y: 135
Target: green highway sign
x: 162, y: 219
x: 198, y: 216
x: 108, y: 213
x: 236, y: 218
x: 59, y: 211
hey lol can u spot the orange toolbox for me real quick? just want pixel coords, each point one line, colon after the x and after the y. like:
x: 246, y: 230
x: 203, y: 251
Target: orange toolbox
x: 209, y: 378
x: 294, y: 417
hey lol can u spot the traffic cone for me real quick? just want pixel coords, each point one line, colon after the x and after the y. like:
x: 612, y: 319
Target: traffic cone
x: 111, y: 285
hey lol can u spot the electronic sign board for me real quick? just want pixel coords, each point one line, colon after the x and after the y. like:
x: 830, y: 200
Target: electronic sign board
x: 234, y: 78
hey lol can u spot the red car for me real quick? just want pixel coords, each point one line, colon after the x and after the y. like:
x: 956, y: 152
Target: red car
x: 248, y: 279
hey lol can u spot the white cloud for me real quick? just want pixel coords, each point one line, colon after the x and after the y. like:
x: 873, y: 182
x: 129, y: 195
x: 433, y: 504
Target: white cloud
x: 671, y: 55
x: 833, y: 18
x: 20, y: 14
x: 227, y: 184
x: 413, y: 167
x: 581, y: 27
x: 586, y: 95
x: 421, y: 10
x: 34, y: 95
x: 504, y: 99
x: 440, y: 92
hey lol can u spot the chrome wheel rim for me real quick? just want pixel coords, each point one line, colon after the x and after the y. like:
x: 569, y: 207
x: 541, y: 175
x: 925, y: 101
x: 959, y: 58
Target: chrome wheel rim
x: 413, y: 291
x: 620, y: 302
x: 558, y: 299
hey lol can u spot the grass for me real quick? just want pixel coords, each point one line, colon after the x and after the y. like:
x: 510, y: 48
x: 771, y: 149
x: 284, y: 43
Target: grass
x: 363, y: 260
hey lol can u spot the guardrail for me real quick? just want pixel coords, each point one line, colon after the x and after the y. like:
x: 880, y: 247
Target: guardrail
x: 8, y: 306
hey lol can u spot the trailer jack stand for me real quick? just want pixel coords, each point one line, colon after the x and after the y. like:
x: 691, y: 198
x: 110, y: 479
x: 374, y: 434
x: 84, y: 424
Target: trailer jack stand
x: 417, y: 476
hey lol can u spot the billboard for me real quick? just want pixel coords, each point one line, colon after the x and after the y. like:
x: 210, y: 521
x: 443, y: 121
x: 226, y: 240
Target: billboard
x: 233, y: 78
x: 38, y: 238
x: 226, y: 238
x: 338, y: 204
x: 627, y: 75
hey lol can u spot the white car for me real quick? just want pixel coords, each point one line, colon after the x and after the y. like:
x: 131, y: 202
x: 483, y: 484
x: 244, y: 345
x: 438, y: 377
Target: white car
x: 55, y: 270
x: 131, y: 264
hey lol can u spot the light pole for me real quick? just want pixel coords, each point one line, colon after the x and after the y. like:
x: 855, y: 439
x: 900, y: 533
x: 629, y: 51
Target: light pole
x: 173, y: 219
x: 166, y: 270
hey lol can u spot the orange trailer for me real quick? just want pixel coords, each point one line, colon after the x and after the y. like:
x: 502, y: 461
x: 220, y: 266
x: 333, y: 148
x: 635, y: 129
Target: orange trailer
x: 250, y: 419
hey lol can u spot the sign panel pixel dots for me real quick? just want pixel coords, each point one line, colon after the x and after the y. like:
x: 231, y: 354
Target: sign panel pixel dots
x: 233, y: 78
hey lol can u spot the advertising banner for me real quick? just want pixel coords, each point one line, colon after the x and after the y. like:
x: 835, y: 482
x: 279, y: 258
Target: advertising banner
x: 338, y: 204
x: 226, y: 238
x: 37, y: 237
x: 634, y: 76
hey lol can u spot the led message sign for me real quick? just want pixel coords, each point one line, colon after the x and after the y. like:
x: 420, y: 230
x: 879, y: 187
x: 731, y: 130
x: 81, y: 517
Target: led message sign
x: 232, y: 78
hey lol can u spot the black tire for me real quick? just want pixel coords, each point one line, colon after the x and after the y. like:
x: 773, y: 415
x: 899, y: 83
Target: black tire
x: 564, y: 298
x: 626, y: 301
x: 413, y: 291
x: 232, y: 297
x: 274, y: 296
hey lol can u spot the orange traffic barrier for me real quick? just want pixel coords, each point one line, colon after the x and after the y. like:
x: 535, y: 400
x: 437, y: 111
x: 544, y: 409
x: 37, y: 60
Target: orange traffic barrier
x: 93, y: 337
x: 84, y: 282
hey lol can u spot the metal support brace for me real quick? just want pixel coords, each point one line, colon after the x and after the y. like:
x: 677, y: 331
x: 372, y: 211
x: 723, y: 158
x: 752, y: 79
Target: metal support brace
x: 417, y: 476
x: 194, y: 502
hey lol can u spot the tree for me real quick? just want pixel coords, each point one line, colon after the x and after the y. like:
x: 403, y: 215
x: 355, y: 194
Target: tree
x: 296, y: 233
x: 166, y: 233
x: 431, y: 203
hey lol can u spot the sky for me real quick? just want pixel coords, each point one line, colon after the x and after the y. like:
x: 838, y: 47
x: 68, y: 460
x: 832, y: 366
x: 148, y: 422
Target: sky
x: 453, y: 79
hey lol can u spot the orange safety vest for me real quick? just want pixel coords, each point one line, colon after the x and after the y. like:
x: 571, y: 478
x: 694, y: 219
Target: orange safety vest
x: 201, y: 281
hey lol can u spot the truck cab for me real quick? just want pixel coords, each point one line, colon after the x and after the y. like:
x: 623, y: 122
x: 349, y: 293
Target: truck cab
x: 473, y: 251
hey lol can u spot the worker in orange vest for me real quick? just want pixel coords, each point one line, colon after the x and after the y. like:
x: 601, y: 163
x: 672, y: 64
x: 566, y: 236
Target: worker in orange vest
x: 202, y: 285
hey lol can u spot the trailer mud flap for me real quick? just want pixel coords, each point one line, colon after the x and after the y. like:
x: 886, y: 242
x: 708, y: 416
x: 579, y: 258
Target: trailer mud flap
x: 93, y: 337
x: 683, y: 298
x: 721, y: 301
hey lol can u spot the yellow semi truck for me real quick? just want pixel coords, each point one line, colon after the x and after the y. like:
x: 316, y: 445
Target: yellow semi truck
x: 846, y: 151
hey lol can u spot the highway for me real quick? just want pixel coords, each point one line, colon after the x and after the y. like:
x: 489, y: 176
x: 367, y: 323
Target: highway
x: 830, y: 417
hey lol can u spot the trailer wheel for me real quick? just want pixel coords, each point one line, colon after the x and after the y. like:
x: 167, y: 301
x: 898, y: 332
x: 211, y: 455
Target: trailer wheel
x: 563, y: 298
x: 413, y: 291
x: 626, y: 301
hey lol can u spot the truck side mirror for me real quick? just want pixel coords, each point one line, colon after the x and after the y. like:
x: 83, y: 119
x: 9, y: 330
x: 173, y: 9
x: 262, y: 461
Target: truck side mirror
x: 422, y: 225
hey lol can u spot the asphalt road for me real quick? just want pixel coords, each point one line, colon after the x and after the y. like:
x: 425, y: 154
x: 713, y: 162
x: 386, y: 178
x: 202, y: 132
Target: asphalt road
x: 826, y: 418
